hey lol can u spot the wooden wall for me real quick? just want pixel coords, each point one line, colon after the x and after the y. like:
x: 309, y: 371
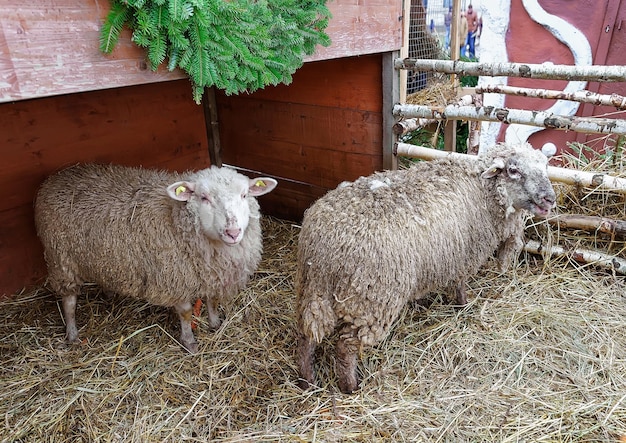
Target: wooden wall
x: 154, y: 125
x: 324, y: 128
x: 51, y: 47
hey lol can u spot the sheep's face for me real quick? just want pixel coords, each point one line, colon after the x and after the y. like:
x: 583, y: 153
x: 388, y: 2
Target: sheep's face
x: 525, y: 178
x: 222, y: 198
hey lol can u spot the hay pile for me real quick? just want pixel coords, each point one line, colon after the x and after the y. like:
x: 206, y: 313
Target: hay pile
x: 537, y: 354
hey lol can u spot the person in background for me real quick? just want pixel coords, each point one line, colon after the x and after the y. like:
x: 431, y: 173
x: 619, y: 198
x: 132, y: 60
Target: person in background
x: 462, y: 33
x: 447, y: 20
x: 473, y: 29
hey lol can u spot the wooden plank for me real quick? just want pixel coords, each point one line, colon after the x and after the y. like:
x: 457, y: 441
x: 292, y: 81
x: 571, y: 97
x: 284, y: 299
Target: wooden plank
x: 359, y: 28
x: 352, y: 83
x: 21, y: 254
x: 51, y: 47
x: 320, y: 167
x: 350, y: 130
x: 153, y: 125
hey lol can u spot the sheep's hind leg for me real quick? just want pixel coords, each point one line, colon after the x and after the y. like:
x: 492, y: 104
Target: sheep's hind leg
x: 69, y: 314
x: 306, y: 360
x: 347, y: 349
x: 68, y: 291
x: 461, y: 294
x: 185, y: 313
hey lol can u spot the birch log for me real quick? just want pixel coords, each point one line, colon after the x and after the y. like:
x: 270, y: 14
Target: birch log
x: 412, y: 124
x: 563, y: 175
x: 595, y: 258
x: 596, y: 73
x: 579, y: 96
x: 504, y: 115
x: 590, y: 223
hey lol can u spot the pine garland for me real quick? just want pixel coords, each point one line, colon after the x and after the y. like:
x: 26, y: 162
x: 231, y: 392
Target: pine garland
x: 235, y: 45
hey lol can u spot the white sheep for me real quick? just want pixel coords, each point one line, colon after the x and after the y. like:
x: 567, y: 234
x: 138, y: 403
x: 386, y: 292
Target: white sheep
x: 368, y: 247
x: 163, y: 237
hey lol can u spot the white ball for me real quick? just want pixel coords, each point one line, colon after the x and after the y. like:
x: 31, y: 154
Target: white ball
x: 549, y: 149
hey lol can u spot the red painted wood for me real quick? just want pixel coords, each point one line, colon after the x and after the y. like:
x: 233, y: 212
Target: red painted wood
x: 51, y: 47
x: 324, y: 128
x: 154, y: 125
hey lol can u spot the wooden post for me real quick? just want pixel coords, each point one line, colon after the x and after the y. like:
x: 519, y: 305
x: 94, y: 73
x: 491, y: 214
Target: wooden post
x: 449, y: 135
x: 391, y: 95
x: 209, y: 104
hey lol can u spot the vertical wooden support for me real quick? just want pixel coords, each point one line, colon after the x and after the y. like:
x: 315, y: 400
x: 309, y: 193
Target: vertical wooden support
x: 391, y: 96
x: 449, y: 136
x: 211, y: 123
x: 404, y: 50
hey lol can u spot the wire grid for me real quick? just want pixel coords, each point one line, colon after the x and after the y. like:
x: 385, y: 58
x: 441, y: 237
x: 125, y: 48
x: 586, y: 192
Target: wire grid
x: 429, y: 37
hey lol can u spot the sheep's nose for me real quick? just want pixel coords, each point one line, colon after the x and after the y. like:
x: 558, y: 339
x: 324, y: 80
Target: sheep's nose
x: 233, y: 233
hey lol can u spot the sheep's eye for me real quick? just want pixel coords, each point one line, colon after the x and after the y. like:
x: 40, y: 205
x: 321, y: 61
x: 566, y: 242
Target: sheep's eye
x: 205, y: 199
x: 244, y: 195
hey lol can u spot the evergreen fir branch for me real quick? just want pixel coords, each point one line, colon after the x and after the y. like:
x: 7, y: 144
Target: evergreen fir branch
x: 176, y: 36
x: 174, y: 57
x: 157, y: 49
x: 160, y: 17
x: 180, y: 10
x: 234, y: 45
x: 112, y: 27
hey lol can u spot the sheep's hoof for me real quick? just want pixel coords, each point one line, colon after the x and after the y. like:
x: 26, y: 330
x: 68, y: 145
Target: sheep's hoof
x: 215, y: 323
x: 304, y: 384
x: 348, y: 386
x: 191, y: 346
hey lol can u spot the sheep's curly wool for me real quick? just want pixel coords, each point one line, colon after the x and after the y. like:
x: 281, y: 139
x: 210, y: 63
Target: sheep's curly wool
x: 368, y: 247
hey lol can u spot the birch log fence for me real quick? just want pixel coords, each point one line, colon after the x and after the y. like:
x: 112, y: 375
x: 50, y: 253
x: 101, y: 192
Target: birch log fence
x: 564, y: 175
x: 462, y: 111
x: 519, y: 116
x: 579, y: 96
x: 595, y: 73
x: 412, y: 117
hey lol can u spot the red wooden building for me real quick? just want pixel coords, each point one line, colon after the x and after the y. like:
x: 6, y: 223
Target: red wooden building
x: 63, y: 102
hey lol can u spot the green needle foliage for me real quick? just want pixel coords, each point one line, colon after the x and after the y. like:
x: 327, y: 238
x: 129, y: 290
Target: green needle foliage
x: 235, y: 45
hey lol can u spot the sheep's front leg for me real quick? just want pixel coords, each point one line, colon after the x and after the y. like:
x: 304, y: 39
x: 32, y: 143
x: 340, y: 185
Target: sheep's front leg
x: 346, y: 350
x: 306, y: 357
x: 185, y: 313
x: 212, y: 306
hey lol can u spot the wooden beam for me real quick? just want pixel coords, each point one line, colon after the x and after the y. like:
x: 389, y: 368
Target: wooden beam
x: 391, y: 95
x: 211, y: 124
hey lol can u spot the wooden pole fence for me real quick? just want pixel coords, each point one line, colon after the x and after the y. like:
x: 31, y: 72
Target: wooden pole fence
x: 562, y: 175
x: 579, y: 96
x: 596, y: 73
x: 579, y: 255
x: 520, y: 116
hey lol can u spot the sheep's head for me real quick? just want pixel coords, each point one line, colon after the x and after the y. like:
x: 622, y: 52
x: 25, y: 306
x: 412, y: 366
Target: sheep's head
x: 221, y: 198
x: 523, y: 175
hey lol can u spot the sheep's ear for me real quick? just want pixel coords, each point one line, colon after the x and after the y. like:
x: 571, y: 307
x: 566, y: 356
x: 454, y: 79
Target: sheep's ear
x: 496, y: 168
x: 261, y: 185
x: 181, y: 191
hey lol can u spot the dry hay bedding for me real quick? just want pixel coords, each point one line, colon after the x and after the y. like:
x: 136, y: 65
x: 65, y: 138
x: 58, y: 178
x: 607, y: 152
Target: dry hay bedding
x: 538, y: 354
